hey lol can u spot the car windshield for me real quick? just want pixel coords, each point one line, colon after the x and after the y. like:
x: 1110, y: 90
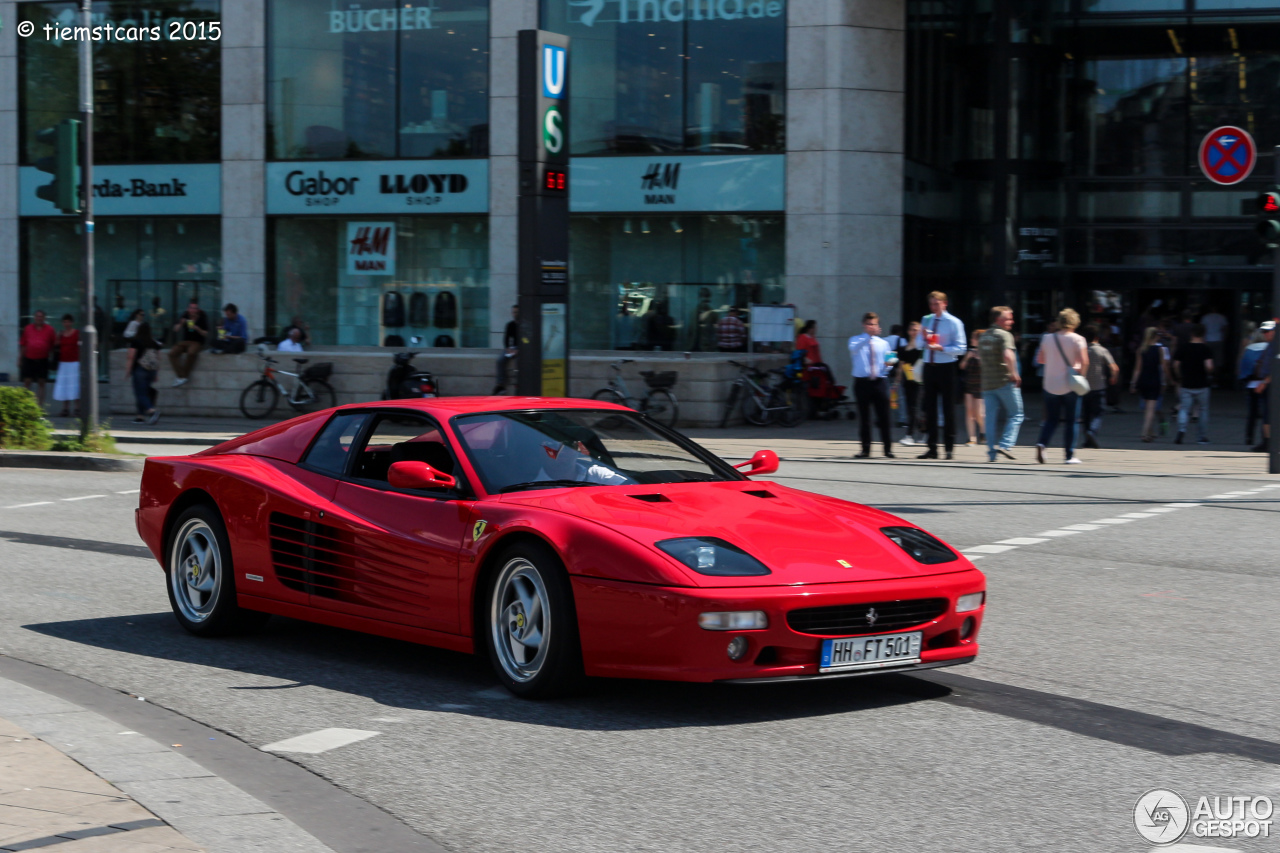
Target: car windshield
x: 516, y: 451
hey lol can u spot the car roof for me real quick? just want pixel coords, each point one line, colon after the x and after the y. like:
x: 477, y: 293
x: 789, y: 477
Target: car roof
x: 446, y: 407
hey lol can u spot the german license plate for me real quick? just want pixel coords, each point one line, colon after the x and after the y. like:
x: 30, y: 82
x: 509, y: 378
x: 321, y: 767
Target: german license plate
x: 870, y: 652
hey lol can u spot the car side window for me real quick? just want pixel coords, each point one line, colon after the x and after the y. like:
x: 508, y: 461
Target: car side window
x: 402, y: 438
x: 332, y: 448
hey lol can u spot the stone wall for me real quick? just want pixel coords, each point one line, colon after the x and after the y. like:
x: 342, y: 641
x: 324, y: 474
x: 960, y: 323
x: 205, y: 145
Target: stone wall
x: 359, y: 376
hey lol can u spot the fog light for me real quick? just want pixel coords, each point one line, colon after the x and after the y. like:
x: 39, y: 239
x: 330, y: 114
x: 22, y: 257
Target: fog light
x: 737, y: 648
x: 966, y: 628
x: 734, y: 620
x: 972, y: 601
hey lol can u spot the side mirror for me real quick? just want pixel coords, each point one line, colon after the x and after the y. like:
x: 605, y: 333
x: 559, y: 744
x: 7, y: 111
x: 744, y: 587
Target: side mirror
x: 418, y: 475
x: 764, y: 462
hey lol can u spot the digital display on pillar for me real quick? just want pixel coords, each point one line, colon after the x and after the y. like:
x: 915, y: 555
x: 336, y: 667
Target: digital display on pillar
x: 555, y: 181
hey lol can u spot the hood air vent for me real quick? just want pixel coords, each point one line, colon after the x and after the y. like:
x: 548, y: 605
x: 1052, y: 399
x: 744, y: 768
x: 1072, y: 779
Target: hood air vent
x: 758, y: 493
x: 653, y: 499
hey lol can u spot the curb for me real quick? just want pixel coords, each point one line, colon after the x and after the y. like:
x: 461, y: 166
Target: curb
x: 185, y: 441
x: 68, y: 461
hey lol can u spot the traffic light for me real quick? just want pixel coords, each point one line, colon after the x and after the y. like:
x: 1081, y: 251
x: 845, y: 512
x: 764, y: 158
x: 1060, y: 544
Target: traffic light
x: 1269, y: 219
x: 64, y: 165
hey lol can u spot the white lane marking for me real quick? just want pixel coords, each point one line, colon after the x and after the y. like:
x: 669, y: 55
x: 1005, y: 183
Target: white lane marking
x: 1137, y: 515
x: 37, y: 503
x: 1182, y: 505
x: 1225, y: 497
x: 1079, y: 527
x: 1021, y: 540
x: 988, y: 549
x: 84, y: 498
x: 129, y: 492
x: 1200, y: 848
x: 1163, y: 509
x: 321, y: 741
x: 1112, y: 521
x: 974, y: 557
x: 1058, y: 533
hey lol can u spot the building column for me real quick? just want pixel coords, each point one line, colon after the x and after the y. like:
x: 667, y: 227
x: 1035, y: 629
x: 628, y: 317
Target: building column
x: 845, y: 112
x: 506, y: 19
x: 9, y: 309
x: 244, y: 226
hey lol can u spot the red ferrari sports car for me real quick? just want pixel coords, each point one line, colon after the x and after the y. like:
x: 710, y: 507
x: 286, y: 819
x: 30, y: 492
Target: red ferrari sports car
x: 560, y: 537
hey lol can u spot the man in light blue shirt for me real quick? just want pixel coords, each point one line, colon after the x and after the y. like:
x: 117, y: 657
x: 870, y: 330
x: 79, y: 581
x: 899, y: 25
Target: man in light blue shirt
x: 943, y: 341
x: 868, y: 352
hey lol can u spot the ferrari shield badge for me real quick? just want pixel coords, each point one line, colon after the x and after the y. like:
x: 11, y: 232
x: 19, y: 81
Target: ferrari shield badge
x: 845, y: 563
x: 478, y: 528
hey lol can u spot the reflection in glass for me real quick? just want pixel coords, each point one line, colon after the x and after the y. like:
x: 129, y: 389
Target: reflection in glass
x: 1137, y: 116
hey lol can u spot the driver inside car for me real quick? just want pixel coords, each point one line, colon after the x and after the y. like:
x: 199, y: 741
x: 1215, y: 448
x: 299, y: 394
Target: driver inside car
x: 574, y: 462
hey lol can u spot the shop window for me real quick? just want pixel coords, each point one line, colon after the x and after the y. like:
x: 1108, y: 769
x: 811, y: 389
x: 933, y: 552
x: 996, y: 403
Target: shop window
x: 696, y: 75
x: 377, y: 79
x: 432, y: 285
x: 156, y: 99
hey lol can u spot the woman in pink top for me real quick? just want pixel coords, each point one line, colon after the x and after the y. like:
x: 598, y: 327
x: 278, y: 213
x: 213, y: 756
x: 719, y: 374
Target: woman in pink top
x: 1060, y: 353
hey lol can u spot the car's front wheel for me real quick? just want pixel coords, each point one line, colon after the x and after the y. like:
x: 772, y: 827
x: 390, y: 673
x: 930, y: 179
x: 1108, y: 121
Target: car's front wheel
x: 201, y: 578
x: 532, y: 627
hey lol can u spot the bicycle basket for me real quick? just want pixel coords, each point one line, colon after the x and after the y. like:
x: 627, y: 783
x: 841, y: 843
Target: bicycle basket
x: 320, y: 371
x: 659, y: 378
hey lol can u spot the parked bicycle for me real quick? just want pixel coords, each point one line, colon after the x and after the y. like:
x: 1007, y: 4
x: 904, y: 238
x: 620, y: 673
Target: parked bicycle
x: 658, y: 403
x: 310, y: 391
x: 766, y: 397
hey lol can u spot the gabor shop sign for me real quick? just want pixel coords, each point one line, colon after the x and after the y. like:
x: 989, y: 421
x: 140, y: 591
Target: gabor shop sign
x: 590, y: 12
x: 395, y: 186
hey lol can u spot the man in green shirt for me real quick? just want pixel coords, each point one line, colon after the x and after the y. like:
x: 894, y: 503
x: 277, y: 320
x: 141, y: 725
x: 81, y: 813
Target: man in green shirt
x: 1001, y: 383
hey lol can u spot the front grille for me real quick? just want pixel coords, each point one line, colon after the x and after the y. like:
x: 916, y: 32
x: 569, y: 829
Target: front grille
x: 848, y: 619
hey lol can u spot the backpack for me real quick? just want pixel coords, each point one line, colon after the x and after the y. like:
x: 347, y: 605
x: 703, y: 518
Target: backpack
x: 446, y: 313
x: 419, y: 309
x: 444, y: 341
x: 392, y: 309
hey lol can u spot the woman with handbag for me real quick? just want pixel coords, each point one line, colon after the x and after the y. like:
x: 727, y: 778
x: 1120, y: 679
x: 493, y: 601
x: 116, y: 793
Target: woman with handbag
x: 141, y: 366
x: 1065, y: 357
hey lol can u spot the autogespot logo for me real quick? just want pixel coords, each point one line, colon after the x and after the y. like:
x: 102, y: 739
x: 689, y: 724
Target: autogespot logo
x: 1161, y: 816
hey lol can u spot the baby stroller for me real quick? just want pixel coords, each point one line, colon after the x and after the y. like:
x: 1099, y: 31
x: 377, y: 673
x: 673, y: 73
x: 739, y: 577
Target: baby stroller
x: 826, y: 398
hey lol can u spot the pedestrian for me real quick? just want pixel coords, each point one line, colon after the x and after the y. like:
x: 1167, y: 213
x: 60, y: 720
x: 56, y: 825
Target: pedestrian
x: 1149, y: 374
x: 624, y: 328
x: 510, y: 348
x: 302, y: 326
x: 131, y: 328
x: 660, y: 327
x: 731, y: 332
x: 897, y: 341
x: 192, y: 331
x: 1262, y: 370
x: 1193, y: 367
x: 1248, y: 374
x: 1110, y: 340
x: 1215, y: 335
x: 141, y: 365
x: 66, y: 385
x: 292, y: 342
x: 233, y: 331
x: 943, y: 340
x: 35, y: 345
x: 807, y: 341
x: 1001, y: 383
x: 974, y: 417
x: 1182, y: 330
x: 909, y: 355
x: 1064, y: 355
x: 1103, y: 373
x: 868, y: 353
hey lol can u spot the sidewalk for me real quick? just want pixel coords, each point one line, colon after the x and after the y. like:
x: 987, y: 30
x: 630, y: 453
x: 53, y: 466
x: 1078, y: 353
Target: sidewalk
x: 1123, y: 451
x: 47, y: 801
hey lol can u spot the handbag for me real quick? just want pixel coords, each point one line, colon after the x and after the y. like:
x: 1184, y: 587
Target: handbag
x: 1075, y: 381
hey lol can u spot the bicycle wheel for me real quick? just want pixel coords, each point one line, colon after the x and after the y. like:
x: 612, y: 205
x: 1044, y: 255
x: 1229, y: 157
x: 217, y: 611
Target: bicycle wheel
x: 728, y: 404
x: 259, y: 400
x: 754, y: 409
x: 313, y: 395
x: 792, y: 404
x: 608, y: 395
x: 660, y: 404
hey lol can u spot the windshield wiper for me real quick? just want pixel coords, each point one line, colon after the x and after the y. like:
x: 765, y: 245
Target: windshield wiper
x: 544, y: 484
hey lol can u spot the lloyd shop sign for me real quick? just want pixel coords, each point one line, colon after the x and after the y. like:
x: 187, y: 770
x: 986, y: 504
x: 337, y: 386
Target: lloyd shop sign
x: 180, y: 189
x: 371, y: 248
x: 677, y: 184
x: 378, y: 186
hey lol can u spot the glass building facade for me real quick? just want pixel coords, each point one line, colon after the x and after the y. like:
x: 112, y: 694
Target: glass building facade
x: 1052, y: 157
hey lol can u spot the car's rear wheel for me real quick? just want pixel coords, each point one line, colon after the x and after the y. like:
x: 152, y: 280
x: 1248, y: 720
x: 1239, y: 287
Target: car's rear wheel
x: 532, y: 626
x: 201, y: 577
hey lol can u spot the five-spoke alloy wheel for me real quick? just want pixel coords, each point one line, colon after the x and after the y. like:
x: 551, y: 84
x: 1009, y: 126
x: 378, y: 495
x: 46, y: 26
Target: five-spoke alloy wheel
x: 201, y: 577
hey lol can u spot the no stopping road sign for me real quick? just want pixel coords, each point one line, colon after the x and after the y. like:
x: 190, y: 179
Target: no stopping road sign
x: 1227, y: 155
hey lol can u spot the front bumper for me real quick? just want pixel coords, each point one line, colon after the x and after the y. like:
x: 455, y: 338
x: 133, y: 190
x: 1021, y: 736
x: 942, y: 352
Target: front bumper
x: 639, y: 631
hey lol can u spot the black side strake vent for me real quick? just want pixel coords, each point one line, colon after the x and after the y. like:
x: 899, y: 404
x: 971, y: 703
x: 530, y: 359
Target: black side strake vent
x: 922, y: 547
x: 310, y: 557
x: 653, y: 499
x: 758, y: 493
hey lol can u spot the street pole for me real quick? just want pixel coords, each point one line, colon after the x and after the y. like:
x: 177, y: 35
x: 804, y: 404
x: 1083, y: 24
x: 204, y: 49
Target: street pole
x: 89, y: 340
x: 1273, y: 392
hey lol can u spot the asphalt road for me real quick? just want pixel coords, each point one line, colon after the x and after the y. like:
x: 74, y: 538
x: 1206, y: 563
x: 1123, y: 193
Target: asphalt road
x: 1115, y: 659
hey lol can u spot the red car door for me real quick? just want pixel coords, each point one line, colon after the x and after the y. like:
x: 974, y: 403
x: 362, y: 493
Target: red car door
x: 396, y: 551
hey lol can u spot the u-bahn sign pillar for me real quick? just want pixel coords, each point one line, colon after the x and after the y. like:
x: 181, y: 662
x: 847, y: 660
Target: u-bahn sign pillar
x: 543, y: 220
